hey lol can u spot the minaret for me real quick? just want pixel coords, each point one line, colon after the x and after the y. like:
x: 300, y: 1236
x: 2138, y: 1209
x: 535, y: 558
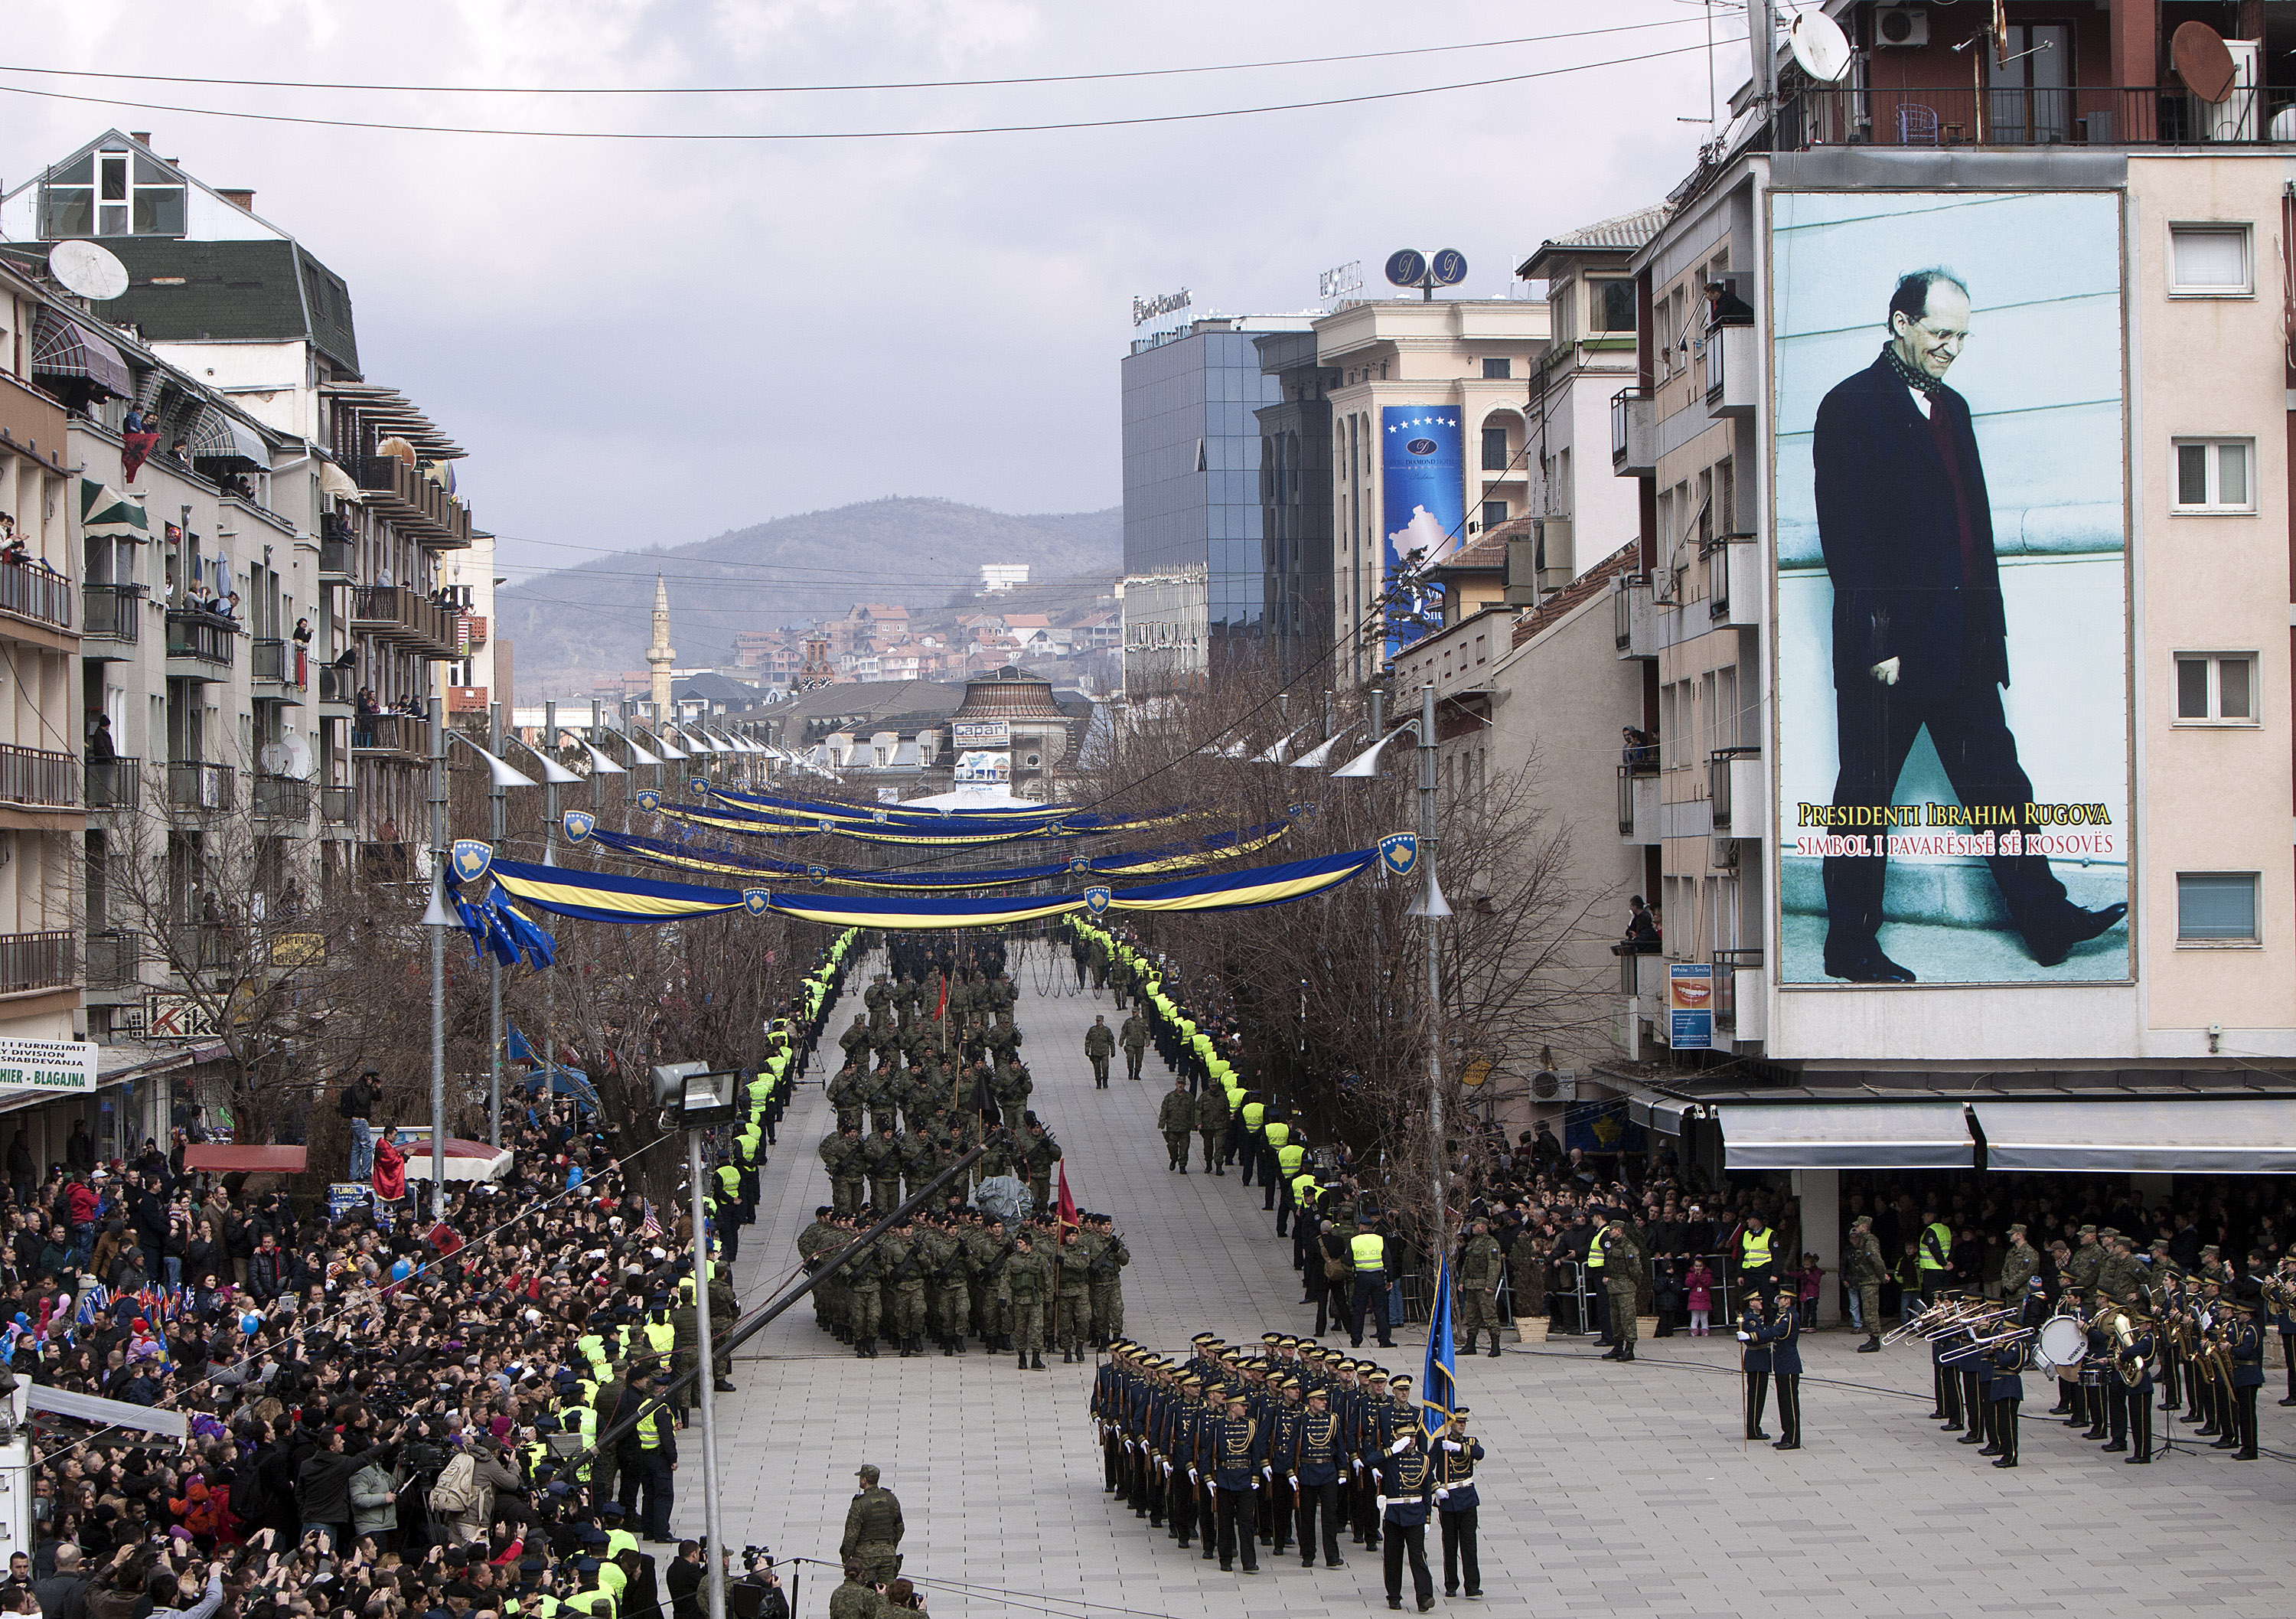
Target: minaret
x: 660, y: 656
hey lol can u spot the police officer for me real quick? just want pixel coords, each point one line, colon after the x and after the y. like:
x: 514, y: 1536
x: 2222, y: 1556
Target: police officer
x: 1367, y: 1251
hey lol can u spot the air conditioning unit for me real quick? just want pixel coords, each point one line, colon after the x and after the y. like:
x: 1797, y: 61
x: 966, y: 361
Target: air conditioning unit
x: 1901, y: 25
x: 1726, y: 854
x: 1555, y: 1085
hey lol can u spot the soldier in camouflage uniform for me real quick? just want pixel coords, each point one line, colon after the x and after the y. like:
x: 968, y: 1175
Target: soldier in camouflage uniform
x: 1026, y: 1281
x: 1211, y: 1123
x: 1104, y: 1272
x: 1622, y: 1268
x: 1177, y: 1118
x: 1480, y: 1265
x: 1072, y: 1297
x: 841, y: 1155
x: 903, y: 1263
x: 863, y: 1276
x: 814, y: 1243
x: 1863, y: 1268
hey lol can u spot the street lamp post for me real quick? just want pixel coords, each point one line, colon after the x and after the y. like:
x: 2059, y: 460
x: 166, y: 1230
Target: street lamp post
x: 496, y: 794
x: 439, y: 921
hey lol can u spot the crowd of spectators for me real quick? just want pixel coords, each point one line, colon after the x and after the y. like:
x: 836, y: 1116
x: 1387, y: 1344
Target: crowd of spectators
x: 331, y: 1368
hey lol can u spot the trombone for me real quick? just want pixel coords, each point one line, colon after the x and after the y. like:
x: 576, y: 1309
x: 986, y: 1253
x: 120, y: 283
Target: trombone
x: 1949, y: 1315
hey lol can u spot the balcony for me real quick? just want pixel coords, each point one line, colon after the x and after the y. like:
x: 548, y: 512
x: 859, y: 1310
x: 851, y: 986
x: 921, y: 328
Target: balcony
x: 390, y: 735
x: 336, y: 555
x: 414, y: 504
x: 281, y: 665
x: 2088, y: 115
x: 1642, y: 974
x: 34, y: 593
x: 1722, y: 606
x: 195, y: 785
x: 115, y: 784
x: 29, y: 962
x: 115, y: 959
x: 1638, y: 804
x: 31, y: 422
x: 1730, y: 371
x: 1733, y: 775
x: 1633, y: 618
x: 278, y: 798
x: 198, y: 645
x: 34, y: 778
x: 395, y: 614
x: 1633, y: 434
x: 338, y: 687
x: 198, y: 947
x: 1740, y: 989
x: 338, y: 805
x: 111, y: 620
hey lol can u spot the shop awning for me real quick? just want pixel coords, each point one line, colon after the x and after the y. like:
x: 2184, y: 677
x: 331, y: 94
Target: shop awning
x: 1846, y: 1135
x: 1660, y: 1113
x: 218, y: 436
x: 106, y: 512
x: 2174, y: 1135
x: 64, y: 347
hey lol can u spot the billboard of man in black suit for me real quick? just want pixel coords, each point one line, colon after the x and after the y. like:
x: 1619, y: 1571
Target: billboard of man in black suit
x: 1920, y: 638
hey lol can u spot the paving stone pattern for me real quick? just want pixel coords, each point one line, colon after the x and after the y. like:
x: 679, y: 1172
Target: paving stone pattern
x: 1611, y: 1490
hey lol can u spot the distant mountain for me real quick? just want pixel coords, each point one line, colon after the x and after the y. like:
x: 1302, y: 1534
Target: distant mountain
x: 573, y: 625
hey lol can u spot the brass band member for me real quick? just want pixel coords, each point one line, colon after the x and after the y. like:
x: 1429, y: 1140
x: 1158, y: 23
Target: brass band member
x: 2134, y: 1355
x: 2244, y: 1343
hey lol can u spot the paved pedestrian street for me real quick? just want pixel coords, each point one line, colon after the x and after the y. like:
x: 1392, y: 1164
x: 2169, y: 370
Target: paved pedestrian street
x: 1608, y: 1489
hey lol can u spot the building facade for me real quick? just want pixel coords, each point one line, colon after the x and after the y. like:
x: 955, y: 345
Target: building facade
x: 1194, y: 566
x: 1295, y: 494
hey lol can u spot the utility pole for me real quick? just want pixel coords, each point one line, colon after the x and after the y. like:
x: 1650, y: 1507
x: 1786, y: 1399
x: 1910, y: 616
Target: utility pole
x: 439, y: 921
x: 496, y: 794
x: 1431, y: 910
x: 706, y: 1382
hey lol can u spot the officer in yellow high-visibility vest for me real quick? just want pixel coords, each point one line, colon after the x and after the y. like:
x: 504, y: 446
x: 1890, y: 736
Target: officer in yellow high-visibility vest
x: 1367, y: 1252
x: 1597, y: 1297
x: 1275, y: 1131
x: 1756, y: 1258
x: 725, y: 1208
x: 1250, y: 1119
x: 1289, y: 1157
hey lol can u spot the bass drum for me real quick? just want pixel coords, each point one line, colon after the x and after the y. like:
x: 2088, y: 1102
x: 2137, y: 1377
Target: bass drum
x: 2063, y: 1341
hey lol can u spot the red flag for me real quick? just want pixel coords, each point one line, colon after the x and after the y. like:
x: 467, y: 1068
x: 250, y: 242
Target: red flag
x: 1067, y: 1204
x: 941, y: 1011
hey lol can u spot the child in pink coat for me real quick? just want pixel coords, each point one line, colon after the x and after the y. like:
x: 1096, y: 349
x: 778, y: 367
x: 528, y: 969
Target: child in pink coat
x: 1700, y: 1287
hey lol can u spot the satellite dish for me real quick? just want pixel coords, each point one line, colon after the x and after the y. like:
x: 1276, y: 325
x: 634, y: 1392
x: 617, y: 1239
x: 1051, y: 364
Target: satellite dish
x: 91, y: 271
x: 273, y: 757
x: 1819, y: 46
x: 2202, y: 60
x: 298, y: 758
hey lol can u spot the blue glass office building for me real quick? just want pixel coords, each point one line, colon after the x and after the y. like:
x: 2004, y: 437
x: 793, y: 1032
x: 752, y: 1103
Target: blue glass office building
x: 1194, y: 571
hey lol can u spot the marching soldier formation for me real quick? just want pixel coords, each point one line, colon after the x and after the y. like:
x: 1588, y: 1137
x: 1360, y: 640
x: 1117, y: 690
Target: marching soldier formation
x: 1233, y: 1451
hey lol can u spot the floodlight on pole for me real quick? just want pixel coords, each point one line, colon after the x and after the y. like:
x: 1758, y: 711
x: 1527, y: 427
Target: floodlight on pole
x: 553, y: 774
x: 1366, y: 763
x: 661, y: 742
x: 1314, y: 757
x: 499, y: 770
x: 601, y: 763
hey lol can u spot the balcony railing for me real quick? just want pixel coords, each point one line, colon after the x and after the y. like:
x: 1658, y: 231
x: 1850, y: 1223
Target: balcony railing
x: 115, y: 958
x: 337, y: 684
x: 199, y: 946
x: 115, y: 784
x: 1718, y: 779
x: 29, y: 420
x: 111, y: 612
x: 38, y: 777
x: 201, y: 636
x: 193, y: 785
x: 279, y: 664
x: 37, y: 593
x: 280, y: 798
x: 2086, y: 115
x: 36, y: 961
x: 1632, y: 429
x: 1715, y: 554
x: 337, y: 805
x: 335, y: 557
x: 393, y: 612
x: 401, y: 734
x: 414, y: 503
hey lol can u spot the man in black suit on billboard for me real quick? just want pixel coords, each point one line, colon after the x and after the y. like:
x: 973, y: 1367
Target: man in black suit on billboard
x: 1919, y: 635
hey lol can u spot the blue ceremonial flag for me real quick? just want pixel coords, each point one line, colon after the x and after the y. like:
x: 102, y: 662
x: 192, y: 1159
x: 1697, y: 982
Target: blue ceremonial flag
x: 518, y: 1051
x: 1438, y: 1384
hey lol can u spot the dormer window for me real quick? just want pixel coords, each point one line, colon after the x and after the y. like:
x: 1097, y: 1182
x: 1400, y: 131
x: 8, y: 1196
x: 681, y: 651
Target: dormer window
x: 110, y: 193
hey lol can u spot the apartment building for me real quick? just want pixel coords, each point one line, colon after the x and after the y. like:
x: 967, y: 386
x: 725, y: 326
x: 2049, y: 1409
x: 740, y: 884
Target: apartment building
x: 1961, y: 432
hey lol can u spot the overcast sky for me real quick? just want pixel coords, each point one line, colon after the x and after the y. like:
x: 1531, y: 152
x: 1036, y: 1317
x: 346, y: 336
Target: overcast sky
x: 648, y: 343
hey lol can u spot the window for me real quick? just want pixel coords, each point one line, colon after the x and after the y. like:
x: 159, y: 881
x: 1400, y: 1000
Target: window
x: 2216, y: 907
x: 111, y: 193
x: 2210, y: 261
x: 1495, y: 450
x: 1498, y: 371
x: 1495, y: 513
x: 1611, y: 305
x: 2212, y: 476
x: 2216, y: 687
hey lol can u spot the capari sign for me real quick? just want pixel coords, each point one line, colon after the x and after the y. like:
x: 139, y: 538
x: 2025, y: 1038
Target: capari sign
x: 1146, y: 309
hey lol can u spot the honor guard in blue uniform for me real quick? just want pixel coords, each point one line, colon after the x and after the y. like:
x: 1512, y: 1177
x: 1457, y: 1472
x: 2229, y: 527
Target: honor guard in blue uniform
x: 1783, y: 1335
x: 1236, y: 1447
x: 1406, y: 1488
x: 1754, y: 1360
x: 1318, y: 1452
x: 1455, y: 1500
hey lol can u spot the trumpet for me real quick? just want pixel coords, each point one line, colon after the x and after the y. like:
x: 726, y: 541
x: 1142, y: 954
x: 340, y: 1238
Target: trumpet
x: 1955, y: 1356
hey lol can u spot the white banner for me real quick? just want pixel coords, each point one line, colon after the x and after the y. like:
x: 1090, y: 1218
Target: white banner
x: 60, y: 1065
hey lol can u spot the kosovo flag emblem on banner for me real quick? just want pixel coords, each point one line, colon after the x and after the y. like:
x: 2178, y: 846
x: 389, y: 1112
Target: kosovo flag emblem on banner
x: 1096, y: 899
x: 1398, y: 853
x: 1081, y: 864
x: 700, y: 788
x: 649, y: 800
x: 757, y: 900
x: 880, y: 817
x: 471, y: 859
x: 579, y: 825
x: 816, y: 875
x: 824, y: 825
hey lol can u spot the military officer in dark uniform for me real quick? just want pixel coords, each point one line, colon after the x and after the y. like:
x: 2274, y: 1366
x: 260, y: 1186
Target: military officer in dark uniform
x: 1236, y: 1447
x: 1406, y: 1486
x: 1754, y: 1360
x: 1317, y: 1453
x: 2245, y: 1341
x: 1783, y: 1335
